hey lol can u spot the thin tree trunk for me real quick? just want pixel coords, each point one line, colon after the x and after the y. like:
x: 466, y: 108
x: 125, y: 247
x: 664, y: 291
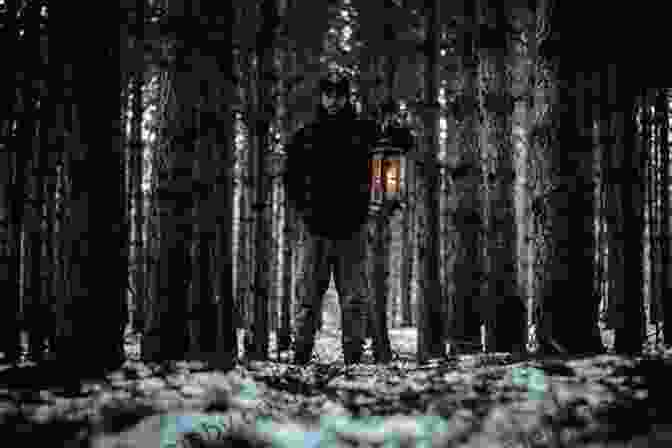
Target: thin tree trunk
x: 286, y: 67
x: 381, y: 256
x: 466, y: 318
x: 628, y: 336
x: 40, y: 264
x: 222, y: 208
x: 659, y: 168
x: 408, y: 246
x: 265, y: 112
x: 25, y: 183
x: 10, y: 211
x: 666, y: 233
x: 137, y: 204
x: 430, y: 319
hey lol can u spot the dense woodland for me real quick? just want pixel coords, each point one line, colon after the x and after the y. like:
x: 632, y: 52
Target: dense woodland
x: 141, y: 150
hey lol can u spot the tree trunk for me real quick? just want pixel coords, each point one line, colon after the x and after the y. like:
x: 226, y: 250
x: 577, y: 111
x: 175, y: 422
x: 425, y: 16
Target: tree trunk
x: 168, y: 339
x: 9, y: 267
x: 466, y: 299
x: 571, y: 215
x: 263, y: 219
x: 137, y: 203
x: 286, y: 67
x: 628, y: 336
x: 97, y: 229
x: 505, y: 321
x: 666, y: 233
x: 381, y: 256
x: 430, y: 320
x: 222, y: 208
x: 40, y: 264
x: 250, y: 181
x: 409, y: 245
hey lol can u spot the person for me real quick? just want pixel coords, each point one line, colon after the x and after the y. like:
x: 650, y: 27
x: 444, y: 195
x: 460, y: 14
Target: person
x: 327, y: 179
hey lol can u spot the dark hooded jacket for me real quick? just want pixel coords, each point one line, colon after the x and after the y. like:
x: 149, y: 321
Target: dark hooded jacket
x: 327, y: 175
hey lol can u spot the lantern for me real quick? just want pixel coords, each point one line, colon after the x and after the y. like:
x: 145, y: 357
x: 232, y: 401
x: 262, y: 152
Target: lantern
x: 387, y: 174
x: 388, y: 167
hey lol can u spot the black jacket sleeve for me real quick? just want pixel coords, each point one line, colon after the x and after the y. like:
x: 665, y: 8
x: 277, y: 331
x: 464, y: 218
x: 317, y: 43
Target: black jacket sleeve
x: 295, y: 177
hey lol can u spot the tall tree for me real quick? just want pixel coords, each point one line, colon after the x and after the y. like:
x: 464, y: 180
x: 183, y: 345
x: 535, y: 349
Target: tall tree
x: 29, y: 127
x: 505, y: 321
x: 663, y: 111
x: 97, y: 232
x: 628, y: 336
x: 214, y: 145
x: 430, y: 322
x: 136, y: 175
x: 10, y: 213
x: 465, y: 325
x: 265, y: 44
x: 41, y: 266
x: 223, y: 82
x: 570, y: 209
x: 285, y: 66
x: 168, y: 339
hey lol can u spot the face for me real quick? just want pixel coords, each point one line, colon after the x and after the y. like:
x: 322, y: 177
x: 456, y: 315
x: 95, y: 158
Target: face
x: 332, y: 103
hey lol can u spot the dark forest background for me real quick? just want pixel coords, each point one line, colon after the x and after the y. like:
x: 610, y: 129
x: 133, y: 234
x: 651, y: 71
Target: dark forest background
x: 141, y: 151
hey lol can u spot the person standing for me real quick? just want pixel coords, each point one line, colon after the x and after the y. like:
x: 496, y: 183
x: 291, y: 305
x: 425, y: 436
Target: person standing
x: 328, y: 184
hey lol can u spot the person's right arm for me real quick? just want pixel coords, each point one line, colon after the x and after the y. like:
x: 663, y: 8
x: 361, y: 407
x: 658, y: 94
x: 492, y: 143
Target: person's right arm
x: 295, y: 177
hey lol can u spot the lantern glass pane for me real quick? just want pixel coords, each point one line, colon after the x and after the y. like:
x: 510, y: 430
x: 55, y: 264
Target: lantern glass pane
x: 392, y: 176
x: 376, y: 179
x: 402, y: 175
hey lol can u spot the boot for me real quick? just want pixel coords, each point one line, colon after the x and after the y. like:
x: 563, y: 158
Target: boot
x: 301, y: 358
x: 352, y: 355
x: 302, y: 354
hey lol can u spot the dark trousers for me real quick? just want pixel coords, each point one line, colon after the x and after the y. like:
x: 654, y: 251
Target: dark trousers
x: 346, y: 260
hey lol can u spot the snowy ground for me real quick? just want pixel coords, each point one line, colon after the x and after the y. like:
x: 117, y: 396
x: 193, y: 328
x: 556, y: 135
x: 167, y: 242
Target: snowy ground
x: 472, y: 401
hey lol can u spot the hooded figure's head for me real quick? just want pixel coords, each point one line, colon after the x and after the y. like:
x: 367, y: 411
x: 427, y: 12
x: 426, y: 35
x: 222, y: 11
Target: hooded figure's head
x: 334, y: 98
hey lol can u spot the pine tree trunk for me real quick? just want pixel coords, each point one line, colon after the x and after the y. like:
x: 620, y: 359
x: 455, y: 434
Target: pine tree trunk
x: 505, y: 322
x: 243, y: 262
x: 287, y: 221
x: 430, y: 322
x: 408, y: 248
x: 98, y: 228
x: 381, y: 256
x: 263, y: 216
x: 522, y: 91
x: 137, y: 205
x: 10, y: 213
x: 27, y: 136
x: 648, y: 201
x: 666, y: 233
x: 466, y: 299
x: 628, y: 336
x: 249, y: 202
x: 52, y: 279
x: 168, y: 339
x: 40, y: 264
x: 139, y: 243
x: 222, y: 208
x: 571, y: 214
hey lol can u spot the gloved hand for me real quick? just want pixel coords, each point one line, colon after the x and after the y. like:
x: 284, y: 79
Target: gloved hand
x: 375, y: 209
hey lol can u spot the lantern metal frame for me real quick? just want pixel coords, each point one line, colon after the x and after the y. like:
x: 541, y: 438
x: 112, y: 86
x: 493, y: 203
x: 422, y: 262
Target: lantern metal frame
x: 389, y: 159
x: 388, y: 173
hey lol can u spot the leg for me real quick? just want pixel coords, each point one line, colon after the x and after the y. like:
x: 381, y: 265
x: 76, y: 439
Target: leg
x: 310, y: 291
x: 354, y: 293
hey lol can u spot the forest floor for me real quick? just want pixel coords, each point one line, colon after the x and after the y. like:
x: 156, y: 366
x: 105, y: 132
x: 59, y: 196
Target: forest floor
x: 483, y: 400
